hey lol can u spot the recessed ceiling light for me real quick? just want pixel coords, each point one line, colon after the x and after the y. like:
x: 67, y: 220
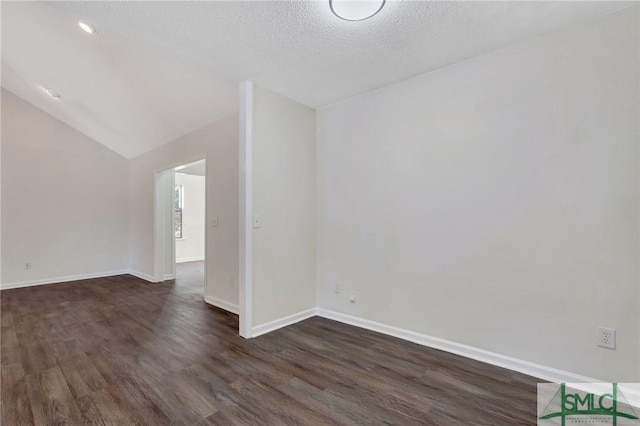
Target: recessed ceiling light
x: 53, y: 93
x: 355, y: 10
x: 86, y: 27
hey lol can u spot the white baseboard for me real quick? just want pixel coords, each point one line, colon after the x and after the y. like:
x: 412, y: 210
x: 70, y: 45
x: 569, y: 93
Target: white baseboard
x: 219, y: 303
x: 141, y: 275
x: 45, y: 281
x: 169, y: 277
x: 532, y: 369
x: 282, y: 322
x: 189, y: 259
x: 536, y: 370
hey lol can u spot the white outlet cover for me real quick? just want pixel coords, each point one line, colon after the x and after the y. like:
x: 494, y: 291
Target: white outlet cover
x: 606, y: 337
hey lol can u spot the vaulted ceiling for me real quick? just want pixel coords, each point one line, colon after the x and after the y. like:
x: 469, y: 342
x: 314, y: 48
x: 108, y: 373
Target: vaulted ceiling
x: 127, y: 96
x: 158, y: 70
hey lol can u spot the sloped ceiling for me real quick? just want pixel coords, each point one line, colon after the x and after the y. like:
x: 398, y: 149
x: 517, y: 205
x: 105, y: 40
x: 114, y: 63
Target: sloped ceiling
x: 129, y: 97
x: 157, y: 70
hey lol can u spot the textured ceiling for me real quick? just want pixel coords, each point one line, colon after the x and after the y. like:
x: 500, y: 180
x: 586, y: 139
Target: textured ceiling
x: 158, y: 70
x: 301, y: 50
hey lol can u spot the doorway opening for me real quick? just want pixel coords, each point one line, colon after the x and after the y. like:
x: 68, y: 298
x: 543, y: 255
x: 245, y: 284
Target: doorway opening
x: 180, y: 243
x: 189, y: 225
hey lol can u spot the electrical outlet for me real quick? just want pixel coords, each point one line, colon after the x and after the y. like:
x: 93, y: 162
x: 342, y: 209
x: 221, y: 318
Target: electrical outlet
x: 27, y: 265
x: 607, y: 337
x: 352, y: 297
x: 337, y: 289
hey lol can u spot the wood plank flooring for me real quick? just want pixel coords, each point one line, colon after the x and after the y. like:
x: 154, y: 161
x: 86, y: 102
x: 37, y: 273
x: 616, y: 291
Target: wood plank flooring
x: 119, y: 351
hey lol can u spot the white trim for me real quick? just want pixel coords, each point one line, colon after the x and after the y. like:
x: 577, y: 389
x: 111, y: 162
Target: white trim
x: 525, y: 367
x: 141, y: 275
x: 532, y: 369
x: 190, y: 259
x: 158, y: 229
x: 45, y: 281
x: 632, y: 395
x: 219, y: 303
x: 163, y: 218
x: 206, y: 219
x: 245, y: 231
x: 282, y: 322
x: 171, y: 230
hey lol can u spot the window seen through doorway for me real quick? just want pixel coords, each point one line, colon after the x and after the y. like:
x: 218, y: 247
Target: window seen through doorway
x: 178, y: 199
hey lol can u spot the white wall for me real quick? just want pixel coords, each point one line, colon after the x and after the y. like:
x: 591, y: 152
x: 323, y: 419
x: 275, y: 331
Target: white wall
x: 284, y: 182
x: 494, y: 202
x: 218, y: 142
x: 191, y: 246
x: 64, y: 200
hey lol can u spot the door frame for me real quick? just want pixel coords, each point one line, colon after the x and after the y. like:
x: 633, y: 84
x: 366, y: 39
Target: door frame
x: 164, y: 184
x: 245, y: 243
x: 164, y: 248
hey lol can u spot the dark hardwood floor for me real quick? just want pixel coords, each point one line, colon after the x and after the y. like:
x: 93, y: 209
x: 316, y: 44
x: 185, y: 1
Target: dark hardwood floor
x: 119, y: 351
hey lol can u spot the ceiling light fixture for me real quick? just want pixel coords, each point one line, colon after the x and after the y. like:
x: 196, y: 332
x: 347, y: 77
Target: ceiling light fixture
x: 53, y: 93
x: 86, y: 27
x: 355, y: 10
